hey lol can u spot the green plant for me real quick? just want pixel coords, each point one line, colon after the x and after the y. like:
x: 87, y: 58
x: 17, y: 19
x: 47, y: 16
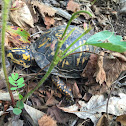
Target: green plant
x: 103, y: 39
x: 17, y: 83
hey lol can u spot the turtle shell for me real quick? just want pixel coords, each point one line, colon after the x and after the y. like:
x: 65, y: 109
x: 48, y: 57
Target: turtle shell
x: 44, y: 49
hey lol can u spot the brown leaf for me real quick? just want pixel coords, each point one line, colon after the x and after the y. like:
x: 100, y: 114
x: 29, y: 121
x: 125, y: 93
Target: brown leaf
x: 73, y: 6
x: 46, y: 121
x: 113, y: 68
x: 102, y: 121
x: 51, y: 100
x: 100, y: 73
x: 20, y: 15
x: 43, y: 9
x: 49, y: 21
x: 76, y: 92
x: 2, y: 84
x: 121, y: 119
x: 90, y: 69
x: 87, y: 96
x: 58, y: 115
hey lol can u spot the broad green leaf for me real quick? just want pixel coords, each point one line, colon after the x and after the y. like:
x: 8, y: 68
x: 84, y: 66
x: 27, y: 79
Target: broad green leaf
x: 19, y: 36
x: 20, y: 96
x: 107, y: 40
x: 13, y: 88
x: 17, y: 111
x: 20, y: 104
x: 20, y: 86
x: 11, y: 81
x: 20, y: 81
x: 15, y: 76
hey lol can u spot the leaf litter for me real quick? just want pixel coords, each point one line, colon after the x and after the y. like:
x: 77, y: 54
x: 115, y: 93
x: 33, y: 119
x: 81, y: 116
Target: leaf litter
x: 101, y: 72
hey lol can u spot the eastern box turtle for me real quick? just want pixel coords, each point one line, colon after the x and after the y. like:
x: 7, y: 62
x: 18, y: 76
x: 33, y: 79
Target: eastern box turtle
x: 42, y: 51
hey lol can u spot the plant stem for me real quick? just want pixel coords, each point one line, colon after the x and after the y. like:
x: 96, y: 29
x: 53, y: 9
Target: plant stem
x: 5, y: 11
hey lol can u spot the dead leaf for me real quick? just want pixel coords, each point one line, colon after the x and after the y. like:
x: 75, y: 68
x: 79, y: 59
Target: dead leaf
x: 121, y: 119
x: 76, y: 92
x: 58, y: 115
x: 34, y: 113
x: 100, y: 73
x: 49, y: 21
x: 73, y: 6
x: 90, y: 69
x: 102, y: 121
x: 46, y: 12
x: 51, y: 100
x: 87, y: 96
x: 46, y: 121
x: 96, y: 105
x: 2, y: 84
x: 20, y: 15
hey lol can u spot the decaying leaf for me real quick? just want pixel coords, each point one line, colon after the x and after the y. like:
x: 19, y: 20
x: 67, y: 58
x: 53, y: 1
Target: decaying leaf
x: 73, y: 6
x: 103, y: 121
x: 46, y: 12
x: 16, y: 37
x: 90, y: 69
x: 51, y: 100
x: 46, y: 121
x: 100, y: 73
x: 76, y: 92
x: 34, y: 113
x: 49, y: 21
x: 96, y: 105
x: 20, y: 15
x: 108, y: 70
x: 121, y: 119
x: 58, y: 115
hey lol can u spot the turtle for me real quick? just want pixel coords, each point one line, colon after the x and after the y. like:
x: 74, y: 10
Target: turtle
x: 43, y: 50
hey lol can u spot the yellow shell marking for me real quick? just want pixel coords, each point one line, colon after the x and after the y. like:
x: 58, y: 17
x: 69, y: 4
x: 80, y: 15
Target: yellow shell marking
x: 26, y: 57
x: 67, y: 63
x: 83, y: 60
x: 63, y: 63
x: 44, y: 43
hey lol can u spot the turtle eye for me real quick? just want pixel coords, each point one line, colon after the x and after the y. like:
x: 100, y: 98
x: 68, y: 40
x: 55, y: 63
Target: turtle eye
x: 17, y: 57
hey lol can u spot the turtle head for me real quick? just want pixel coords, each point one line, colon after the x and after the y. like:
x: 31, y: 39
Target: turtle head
x: 20, y: 56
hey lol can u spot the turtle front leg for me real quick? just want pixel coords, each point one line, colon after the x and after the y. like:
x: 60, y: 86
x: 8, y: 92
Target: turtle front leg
x: 62, y: 86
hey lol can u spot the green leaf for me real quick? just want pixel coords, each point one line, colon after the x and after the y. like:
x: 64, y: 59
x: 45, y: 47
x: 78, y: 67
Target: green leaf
x: 20, y: 104
x: 15, y: 76
x: 22, y: 85
x: 20, y: 96
x: 11, y: 81
x: 20, y: 81
x: 17, y: 111
x: 107, y: 40
x: 18, y: 35
x: 13, y: 88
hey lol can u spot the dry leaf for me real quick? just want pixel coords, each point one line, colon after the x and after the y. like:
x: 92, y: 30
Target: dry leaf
x: 100, y: 73
x: 58, y: 115
x: 51, y: 100
x: 46, y: 121
x: 76, y: 92
x: 87, y: 97
x: 121, y: 119
x: 102, y: 121
x: 96, y: 105
x: 49, y: 21
x: 46, y: 12
x: 90, y: 69
x: 73, y: 6
x: 21, y: 16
